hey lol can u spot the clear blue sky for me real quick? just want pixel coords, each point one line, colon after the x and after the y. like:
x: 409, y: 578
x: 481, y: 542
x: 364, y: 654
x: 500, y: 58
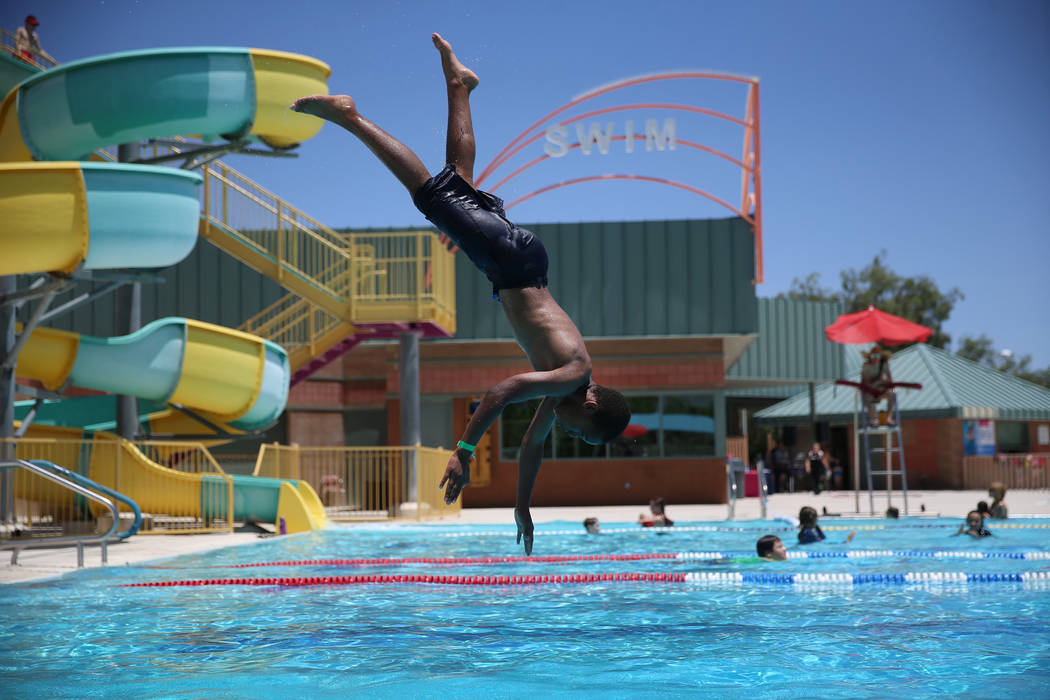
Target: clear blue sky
x: 918, y: 127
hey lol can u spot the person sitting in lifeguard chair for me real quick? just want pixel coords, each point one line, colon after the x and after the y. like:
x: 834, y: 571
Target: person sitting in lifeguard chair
x: 877, y: 383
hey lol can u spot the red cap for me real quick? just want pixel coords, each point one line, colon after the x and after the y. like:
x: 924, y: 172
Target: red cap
x: 30, y: 19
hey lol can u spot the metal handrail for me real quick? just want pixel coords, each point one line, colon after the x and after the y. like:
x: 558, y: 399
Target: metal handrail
x: 736, y: 466
x: 76, y: 488
x: 104, y: 490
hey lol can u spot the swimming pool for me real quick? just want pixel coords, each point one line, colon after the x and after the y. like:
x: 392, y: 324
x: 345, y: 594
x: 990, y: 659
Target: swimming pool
x: 833, y: 621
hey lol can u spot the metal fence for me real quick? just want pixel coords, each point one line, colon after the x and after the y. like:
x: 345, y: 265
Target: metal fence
x: 1014, y: 471
x: 365, y: 483
x: 178, y: 485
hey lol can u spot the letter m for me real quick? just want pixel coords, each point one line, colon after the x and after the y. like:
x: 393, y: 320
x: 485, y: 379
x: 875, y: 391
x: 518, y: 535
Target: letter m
x: 661, y: 139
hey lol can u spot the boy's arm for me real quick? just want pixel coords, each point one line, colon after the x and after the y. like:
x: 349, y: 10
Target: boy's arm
x: 521, y: 387
x: 529, y: 467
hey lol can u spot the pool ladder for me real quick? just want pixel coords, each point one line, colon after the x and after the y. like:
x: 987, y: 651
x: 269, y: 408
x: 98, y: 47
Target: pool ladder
x: 735, y: 470
x: 76, y: 483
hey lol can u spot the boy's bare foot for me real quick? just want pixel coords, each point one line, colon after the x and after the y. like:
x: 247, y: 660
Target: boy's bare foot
x: 454, y: 70
x: 334, y: 108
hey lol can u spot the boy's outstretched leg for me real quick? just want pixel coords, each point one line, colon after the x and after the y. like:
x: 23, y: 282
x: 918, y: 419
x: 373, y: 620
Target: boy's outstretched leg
x: 399, y: 158
x: 459, y: 140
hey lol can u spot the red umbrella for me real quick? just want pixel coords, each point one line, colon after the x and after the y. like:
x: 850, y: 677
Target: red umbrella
x: 634, y: 430
x: 874, y: 326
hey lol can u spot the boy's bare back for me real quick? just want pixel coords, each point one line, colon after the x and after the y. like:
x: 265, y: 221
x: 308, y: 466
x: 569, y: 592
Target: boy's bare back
x: 545, y: 332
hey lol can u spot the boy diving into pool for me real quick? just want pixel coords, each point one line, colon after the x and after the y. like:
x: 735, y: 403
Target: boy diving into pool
x: 515, y: 261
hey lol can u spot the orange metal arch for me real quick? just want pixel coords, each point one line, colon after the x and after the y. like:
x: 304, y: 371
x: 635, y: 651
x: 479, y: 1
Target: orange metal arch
x: 750, y: 164
x: 637, y: 137
x: 643, y: 178
x: 619, y: 85
x: 501, y: 159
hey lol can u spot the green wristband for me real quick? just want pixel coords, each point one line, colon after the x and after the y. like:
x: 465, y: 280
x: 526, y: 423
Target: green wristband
x: 465, y: 446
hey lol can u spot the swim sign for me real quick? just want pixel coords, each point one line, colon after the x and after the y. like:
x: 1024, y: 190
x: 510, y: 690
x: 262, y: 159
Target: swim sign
x: 655, y: 136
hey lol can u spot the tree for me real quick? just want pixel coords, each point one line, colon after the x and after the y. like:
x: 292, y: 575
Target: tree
x: 982, y: 351
x: 917, y: 299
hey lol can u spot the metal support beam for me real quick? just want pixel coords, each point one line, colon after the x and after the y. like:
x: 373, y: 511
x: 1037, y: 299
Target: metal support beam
x: 410, y: 412
x: 7, y: 398
x: 128, y: 320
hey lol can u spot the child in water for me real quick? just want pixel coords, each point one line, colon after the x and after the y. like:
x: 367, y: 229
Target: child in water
x: 974, y: 526
x: 808, y: 529
x: 658, y: 517
x: 770, y: 548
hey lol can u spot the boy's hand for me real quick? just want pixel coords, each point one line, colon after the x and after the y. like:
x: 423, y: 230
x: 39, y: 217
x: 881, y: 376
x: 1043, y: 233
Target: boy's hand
x: 457, y: 474
x: 524, y: 521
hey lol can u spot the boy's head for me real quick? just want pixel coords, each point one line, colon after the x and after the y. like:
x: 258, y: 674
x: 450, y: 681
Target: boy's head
x: 657, y: 505
x: 974, y: 520
x: 770, y: 547
x: 893, y: 513
x: 593, y: 413
x: 982, y: 508
x: 807, y: 517
x: 591, y: 525
x: 997, y: 490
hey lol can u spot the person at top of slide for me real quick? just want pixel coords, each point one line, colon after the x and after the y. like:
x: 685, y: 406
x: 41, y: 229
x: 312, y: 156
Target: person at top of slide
x: 515, y: 261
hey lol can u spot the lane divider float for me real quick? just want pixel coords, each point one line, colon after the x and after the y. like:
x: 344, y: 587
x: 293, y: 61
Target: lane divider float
x: 572, y: 558
x: 713, y: 528
x: 1041, y: 578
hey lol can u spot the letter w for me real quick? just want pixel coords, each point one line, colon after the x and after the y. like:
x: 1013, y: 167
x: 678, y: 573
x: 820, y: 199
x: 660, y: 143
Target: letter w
x: 595, y: 136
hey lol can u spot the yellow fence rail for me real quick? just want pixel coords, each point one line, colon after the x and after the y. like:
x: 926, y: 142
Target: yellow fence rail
x: 7, y: 44
x: 1014, y: 471
x: 365, y: 483
x: 336, y: 279
x: 177, y: 485
x: 359, y: 278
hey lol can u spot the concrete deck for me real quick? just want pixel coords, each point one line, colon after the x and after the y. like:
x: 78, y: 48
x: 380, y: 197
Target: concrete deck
x: 46, y: 563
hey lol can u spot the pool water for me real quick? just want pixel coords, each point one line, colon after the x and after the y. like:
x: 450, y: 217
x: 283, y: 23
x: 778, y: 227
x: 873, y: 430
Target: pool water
x: 85, y: 635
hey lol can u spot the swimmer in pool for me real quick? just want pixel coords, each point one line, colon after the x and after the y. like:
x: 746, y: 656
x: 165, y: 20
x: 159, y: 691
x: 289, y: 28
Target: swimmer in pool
x: 974, y: 526
x: 770, y: 548
x: 515, y: 261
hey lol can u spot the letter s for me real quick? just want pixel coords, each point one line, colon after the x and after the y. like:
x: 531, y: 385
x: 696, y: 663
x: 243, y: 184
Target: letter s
x: 557, y: 141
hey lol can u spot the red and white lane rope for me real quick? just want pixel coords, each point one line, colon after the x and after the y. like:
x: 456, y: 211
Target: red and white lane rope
x: 1039, y: 579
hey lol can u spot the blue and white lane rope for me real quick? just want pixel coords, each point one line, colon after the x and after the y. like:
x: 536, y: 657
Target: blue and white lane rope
x: 722, y: 528
x: 869, y: 553
x: 1039, y: 578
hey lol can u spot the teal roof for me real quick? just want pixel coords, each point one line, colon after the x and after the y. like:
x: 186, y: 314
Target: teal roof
x: 791, y: 348
x: 952, y: 387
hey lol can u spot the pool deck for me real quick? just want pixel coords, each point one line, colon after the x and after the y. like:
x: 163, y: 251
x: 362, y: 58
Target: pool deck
x: 49, y: 562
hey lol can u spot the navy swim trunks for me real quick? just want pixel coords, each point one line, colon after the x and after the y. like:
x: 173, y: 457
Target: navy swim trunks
x: 511, y: 257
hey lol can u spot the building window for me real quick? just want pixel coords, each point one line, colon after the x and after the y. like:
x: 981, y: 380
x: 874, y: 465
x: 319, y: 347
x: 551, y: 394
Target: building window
x: 673, y: 425
x: 688, y: 426
x: 514, y: 423
x: 1011, y: 436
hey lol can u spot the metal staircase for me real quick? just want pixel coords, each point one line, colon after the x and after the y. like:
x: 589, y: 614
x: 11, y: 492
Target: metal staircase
x: 344, y: 288
x: 374, y: 279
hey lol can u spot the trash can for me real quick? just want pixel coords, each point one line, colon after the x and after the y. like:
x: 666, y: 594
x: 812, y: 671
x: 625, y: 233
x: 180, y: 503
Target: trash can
x: 751, y: 483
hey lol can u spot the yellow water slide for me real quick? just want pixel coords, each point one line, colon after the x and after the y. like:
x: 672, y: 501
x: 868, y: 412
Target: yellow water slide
x: 58, y: 214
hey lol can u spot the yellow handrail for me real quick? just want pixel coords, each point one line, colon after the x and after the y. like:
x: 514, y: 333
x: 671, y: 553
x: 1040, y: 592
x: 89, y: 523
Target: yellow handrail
x: 7, y: 43
x: 336, y: 280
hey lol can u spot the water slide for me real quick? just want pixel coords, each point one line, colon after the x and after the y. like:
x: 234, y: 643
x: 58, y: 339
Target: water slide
x: 60, y: 214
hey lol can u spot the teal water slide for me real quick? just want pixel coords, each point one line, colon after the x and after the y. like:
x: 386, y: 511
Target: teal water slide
x: 58, y: 214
